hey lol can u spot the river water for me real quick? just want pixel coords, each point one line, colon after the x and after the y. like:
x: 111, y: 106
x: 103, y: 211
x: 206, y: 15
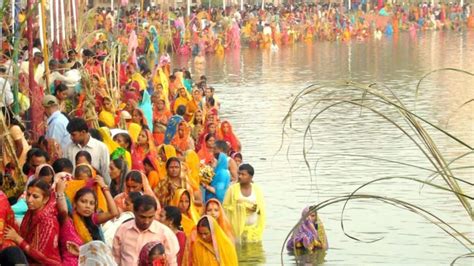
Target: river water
x: 256, y: 88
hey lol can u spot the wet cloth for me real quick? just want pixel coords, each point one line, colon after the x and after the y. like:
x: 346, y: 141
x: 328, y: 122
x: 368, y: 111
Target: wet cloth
x: 236, y: 209
x: 308, y: 235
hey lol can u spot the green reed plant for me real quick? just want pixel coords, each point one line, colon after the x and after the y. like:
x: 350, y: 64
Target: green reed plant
x: 383, y: 102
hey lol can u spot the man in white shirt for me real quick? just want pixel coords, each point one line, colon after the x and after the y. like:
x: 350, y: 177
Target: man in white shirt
x: 56, y: 123
x: 82, y: 141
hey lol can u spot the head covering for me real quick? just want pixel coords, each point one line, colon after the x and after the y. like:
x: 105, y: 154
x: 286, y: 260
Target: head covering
x: 221, y: 249
x: 144, y: 257
x: 222, y: 219
x: 307, y: 234
x: 229, y: 136
x: 40, y: 167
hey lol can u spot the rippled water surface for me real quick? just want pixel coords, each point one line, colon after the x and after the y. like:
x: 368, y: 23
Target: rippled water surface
x: 256, y: 89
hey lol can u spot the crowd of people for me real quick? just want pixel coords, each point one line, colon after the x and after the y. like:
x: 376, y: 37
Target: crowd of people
x: 217, y: 30
x: 170, y: 186
x: 113, y: 156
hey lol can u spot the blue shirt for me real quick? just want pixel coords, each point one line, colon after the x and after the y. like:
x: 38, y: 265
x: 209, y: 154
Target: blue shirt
x: 56, y: 130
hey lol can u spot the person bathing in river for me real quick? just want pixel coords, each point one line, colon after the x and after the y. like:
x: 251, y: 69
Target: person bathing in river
x: 245, y: 207
x: 310, y: 234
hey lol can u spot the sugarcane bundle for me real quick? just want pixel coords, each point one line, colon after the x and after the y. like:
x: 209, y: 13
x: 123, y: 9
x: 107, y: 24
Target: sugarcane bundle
x: 11, y: 189
x: 88, y: 102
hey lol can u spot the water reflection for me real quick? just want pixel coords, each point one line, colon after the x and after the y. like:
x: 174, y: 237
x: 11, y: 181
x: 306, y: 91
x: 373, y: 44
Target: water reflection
x: 309, y: 258
x: 251, y: 254
x: 256, y: 88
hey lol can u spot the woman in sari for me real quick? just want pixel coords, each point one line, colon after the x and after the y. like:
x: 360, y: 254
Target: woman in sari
x: 182, y: 99
x: 7, y: 219
x: 118, y: 146
x: 118, y: 170
x: 245, y: 207
x: 211, y: 128
x: 226, y: 134
x: 310, y: 234
x: 182, y: 141
x: 212, y: 246
x: 214, y: 208
x: 197, y: 125
x: 138, y: 117
x: 151, y: 164
x: 221, y: 181
x: 85, y: 217
x: 107, y: 115
x: 39, y: 230
x: 84, y: 176
x: 194, y: 105
x: 192, y: 165
x: 182, y: 199
x: 135, y: 181
x: 144, y: 146
x: 160, y: 111
x: 206, y: 152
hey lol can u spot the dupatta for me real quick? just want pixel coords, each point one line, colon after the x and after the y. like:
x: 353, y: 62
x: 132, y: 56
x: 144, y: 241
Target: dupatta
x: 229, y: 137
x: 308, y: 233
x: 222, y: 219
x: 40, y: 229
x: 182, y: 143
x: 190, y: 218
x: 193, y: 167
x: 220, y: 252
x: 113, y: 147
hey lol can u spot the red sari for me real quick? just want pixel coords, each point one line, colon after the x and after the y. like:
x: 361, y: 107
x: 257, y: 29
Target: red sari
x: 206, y: 155
x: 139, y: 153
x: 40, y: 232
x: 7, y: 218
x: 229, y: 137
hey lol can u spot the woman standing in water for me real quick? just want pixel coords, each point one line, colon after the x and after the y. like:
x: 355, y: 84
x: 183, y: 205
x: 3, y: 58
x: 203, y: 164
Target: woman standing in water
x: 310, y: 234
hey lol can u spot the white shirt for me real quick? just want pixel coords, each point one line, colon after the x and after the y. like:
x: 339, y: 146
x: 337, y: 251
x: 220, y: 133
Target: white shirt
x: 99, y: 153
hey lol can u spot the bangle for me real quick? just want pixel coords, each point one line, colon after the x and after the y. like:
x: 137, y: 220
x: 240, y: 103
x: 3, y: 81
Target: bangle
x: 105, y: 188
x: 60, y: 196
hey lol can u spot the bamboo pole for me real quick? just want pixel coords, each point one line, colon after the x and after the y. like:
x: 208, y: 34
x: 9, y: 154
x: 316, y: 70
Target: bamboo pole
x: 45, y: 45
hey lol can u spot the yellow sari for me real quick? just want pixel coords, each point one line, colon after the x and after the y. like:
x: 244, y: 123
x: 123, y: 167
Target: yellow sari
x: 193, y: 166
x: 236, y: 211
x: 220, y: 252
x: 134, y: 130
x: 112, y: 145
x: 75, y: 185
x: 192, y: 213
x: 107, y: 118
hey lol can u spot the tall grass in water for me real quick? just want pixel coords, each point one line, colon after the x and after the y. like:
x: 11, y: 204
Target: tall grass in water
x: 384, y: 103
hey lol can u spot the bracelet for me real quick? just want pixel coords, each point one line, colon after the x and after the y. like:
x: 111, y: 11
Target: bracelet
x: 105, y: 188
x: 60, y: 196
